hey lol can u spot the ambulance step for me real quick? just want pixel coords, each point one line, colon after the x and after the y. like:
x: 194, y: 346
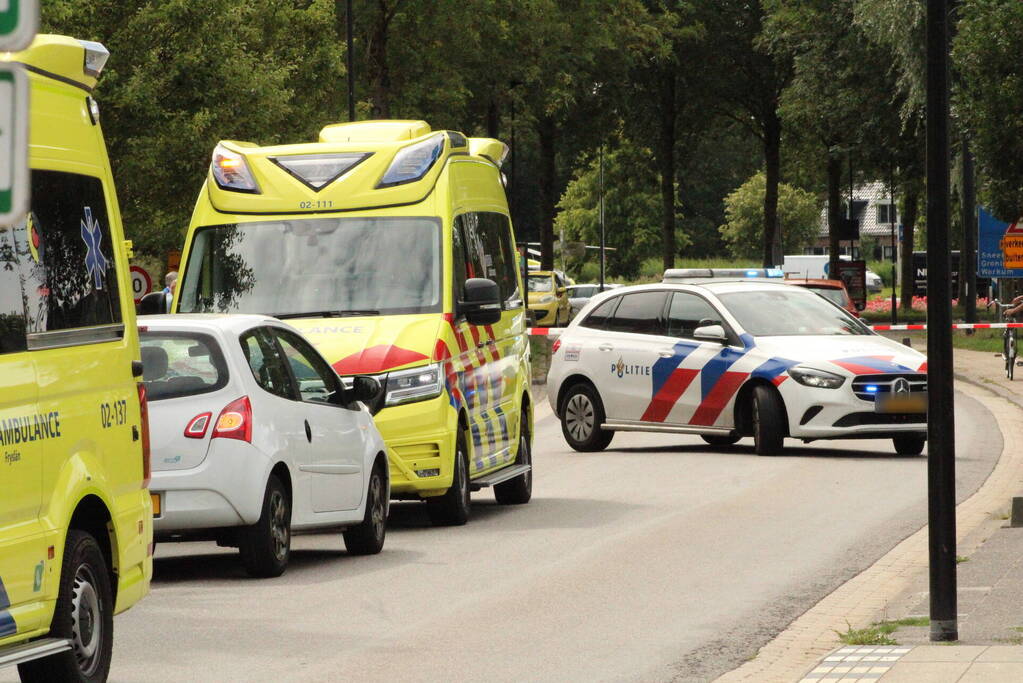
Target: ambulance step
x: 499, y: 476
x: 36, y: 649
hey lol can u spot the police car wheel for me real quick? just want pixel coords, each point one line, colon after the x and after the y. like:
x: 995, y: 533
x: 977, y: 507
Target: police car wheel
x: 719, y: 440
x: 768, y: 417
x: 582, y: 414
x: 519, y: 490
x: 368, y: 537
x: 265, y: 546
x: 909, y: 445
x: 452, y: 508
x: 84, y: 615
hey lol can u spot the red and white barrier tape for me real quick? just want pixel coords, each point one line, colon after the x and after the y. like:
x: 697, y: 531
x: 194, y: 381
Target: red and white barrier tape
x: 955, y: 326
x: 544, y: 331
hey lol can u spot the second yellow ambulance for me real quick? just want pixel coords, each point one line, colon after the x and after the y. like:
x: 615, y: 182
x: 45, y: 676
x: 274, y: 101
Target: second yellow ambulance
x: 389, y: 245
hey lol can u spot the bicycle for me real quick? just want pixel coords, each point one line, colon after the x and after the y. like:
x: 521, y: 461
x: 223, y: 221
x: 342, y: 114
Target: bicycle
x: 1009, y: 348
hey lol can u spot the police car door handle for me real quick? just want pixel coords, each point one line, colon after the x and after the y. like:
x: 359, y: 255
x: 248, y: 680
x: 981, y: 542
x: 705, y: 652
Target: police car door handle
x: 666, y: 353
x: 606, y: 347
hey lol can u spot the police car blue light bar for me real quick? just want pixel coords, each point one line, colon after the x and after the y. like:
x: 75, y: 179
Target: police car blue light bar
x: 676, y: 274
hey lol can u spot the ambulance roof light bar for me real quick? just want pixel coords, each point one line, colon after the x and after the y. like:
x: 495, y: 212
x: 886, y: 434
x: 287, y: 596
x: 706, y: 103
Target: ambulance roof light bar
x: 677, y: 274
x: 96, y: 56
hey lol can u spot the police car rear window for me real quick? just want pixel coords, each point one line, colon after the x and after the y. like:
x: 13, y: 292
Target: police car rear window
x: 177, y: 364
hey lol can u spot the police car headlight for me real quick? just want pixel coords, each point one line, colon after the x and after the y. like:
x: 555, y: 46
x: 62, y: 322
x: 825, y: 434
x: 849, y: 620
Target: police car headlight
x: 417, y: 384
x: 811, y: 377
x: 546, y: 299
x: 413, y: 162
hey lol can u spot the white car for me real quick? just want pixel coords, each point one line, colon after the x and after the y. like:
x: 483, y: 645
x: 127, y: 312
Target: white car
x: 254, y: 436
x: 732, y: 358
x: 580, y: 295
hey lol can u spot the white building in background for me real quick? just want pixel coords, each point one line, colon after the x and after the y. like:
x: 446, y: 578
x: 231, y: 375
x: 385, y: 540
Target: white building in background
x: 872, y: 206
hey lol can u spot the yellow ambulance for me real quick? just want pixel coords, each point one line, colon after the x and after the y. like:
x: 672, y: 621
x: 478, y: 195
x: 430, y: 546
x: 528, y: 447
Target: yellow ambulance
x: 389, y: 245
x: 75, y: 516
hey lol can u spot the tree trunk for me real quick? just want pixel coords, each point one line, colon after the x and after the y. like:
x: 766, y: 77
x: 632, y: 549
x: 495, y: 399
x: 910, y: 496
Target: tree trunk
x: 547, y: 133
x: 666, y: 157
x: 772, y: 170
x: 834, y: 212
x: 379, y: 69
x: 909, y: 215
x: 492, y: 120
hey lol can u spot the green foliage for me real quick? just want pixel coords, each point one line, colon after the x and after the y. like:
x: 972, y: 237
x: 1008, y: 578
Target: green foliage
x: 990, y: 92
x: 184, y: 75
x: 631, y: 208
x: 798, y: 218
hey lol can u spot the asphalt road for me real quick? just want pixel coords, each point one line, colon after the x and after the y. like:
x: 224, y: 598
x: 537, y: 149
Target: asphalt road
x: 660, y: 559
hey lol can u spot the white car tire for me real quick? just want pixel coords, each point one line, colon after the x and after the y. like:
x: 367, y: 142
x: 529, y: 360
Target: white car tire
x: 582, y: 414
x: 368, y: 537
x: 768, y: 417
x: 266, y: 545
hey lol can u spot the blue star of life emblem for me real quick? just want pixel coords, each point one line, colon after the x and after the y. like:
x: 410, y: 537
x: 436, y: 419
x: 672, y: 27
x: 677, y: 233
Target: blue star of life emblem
x: 95, y: 262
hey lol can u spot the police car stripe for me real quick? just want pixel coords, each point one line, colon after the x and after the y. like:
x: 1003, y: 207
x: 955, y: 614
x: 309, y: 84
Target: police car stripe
x: 772, y: 368
x: 720, y: 394
x: 8, y: 627
x: 663, y: 367
x: 866, y: 365
x: 668, y: 396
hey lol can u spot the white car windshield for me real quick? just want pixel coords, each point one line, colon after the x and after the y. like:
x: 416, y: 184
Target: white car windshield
x: 794, y: 312
x: 335, y: 266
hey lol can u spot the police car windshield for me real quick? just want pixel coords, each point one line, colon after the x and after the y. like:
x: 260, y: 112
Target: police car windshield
x: 344, y: 266
x: 779, y: 313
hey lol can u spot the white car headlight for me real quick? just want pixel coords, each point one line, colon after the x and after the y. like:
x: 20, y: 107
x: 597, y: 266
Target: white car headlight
x: 416, y: 384
x: 546, y: 299
x: 820, y: 379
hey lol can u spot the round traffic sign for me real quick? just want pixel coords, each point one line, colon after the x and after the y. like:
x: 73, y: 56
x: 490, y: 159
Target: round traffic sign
x: 141, y: 283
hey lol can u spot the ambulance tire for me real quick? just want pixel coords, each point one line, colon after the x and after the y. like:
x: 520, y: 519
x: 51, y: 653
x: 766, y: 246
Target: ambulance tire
x: 368, y: 537
x: 720, y: 439
x: 519, y: 490
x: 910, y: 444
x: 265, y: 546
x: 452, y: 508
x: 84, y: 615
x: 768, y: 421
x: 582, y: 434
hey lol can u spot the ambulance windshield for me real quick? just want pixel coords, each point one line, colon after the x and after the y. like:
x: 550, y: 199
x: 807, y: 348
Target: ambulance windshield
x: 315, y: 267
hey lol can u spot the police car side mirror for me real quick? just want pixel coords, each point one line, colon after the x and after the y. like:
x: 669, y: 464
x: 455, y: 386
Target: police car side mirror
x: 481, y: 302
x: 711, y: 333
x: 156, y: 303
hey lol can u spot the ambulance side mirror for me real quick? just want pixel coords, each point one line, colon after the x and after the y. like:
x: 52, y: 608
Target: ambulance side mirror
x: 156, y: 303
x: 481, y: 301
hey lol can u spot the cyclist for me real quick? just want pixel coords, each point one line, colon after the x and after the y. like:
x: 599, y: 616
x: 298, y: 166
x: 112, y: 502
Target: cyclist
x: 1017, y: 308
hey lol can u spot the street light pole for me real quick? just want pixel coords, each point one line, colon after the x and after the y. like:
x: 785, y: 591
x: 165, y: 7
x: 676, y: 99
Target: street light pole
x: 349, y: 30
x: 891, y: 226
x: 601, y: 214
x: 940, y: 415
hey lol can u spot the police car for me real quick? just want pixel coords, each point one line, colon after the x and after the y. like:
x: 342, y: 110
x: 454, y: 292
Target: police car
x: 725, y: 356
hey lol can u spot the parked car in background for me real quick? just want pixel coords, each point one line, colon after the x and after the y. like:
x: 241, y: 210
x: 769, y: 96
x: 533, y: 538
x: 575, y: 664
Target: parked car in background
x: 254, y: 436
x: 548, y: 298
x: 579, y: 295
x: 832, y: 290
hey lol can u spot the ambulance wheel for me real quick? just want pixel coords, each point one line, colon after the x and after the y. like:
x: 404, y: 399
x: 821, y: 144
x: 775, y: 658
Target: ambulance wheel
x: 768, y: 421
x: 368, y: 537
x: 720, y: 439
x: 452, y: 508
x: 519, y: 490
x: 911, y: 444
x: 582, y: 414
x: 266, y: 545
x: 84, y: 615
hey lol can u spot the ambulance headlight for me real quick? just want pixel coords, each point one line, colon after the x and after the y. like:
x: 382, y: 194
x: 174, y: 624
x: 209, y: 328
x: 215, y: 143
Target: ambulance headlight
x: 232, y: 172
x: 820, y: 379
x: 417, y: 384
x: 413, y: 162
x: 96, y: 56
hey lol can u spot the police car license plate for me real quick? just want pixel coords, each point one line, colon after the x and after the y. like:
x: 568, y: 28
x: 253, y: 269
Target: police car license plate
x: 901, y: 403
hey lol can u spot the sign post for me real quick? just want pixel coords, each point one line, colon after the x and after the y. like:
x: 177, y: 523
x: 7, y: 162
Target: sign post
x: 19, y: 20
x: 141, y: 283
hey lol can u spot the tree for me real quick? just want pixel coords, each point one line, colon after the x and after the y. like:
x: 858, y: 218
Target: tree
x: 632, y: 207
x: 798, y: 217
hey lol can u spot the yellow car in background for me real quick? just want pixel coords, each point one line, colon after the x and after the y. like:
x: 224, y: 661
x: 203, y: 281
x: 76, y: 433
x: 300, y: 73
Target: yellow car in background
x: 548, y: 298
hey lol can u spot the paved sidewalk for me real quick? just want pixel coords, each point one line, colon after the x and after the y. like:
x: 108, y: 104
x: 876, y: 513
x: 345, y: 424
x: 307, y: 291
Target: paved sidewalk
x: 990, y: 588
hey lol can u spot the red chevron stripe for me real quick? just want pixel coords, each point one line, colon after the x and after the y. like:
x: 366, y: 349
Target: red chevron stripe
x: 661, y: 404
x: 709, y: 410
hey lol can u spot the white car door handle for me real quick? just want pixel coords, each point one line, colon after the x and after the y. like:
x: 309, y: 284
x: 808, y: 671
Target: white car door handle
x: 606, y: 347
x: 666, y: 353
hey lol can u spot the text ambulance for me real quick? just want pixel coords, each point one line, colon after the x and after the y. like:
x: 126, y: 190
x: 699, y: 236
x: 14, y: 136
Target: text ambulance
x: 75, y: 516
x: 390, y: 247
